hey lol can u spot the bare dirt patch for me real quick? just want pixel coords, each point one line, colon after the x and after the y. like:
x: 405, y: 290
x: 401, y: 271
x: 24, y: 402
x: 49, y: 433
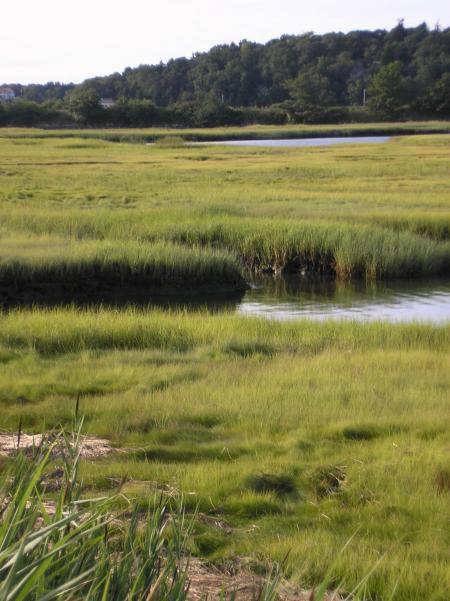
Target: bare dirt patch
x: 239, y: 583
x: 90, y: 447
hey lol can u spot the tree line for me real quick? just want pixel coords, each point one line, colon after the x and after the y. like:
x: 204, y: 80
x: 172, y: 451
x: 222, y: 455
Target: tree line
x: 361, y: 75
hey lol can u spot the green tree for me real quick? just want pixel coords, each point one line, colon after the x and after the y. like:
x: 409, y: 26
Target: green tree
x: 387, y: 93
x: 3, y: 115
x: 310, y: 93
x: 84, y: 104
x: 438, y: 98
x: 25, y: 113
x: 355, y: 91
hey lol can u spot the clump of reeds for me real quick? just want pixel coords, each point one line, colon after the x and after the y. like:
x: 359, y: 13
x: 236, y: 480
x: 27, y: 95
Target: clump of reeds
x: 343, y: 250
x: 82, y: 548
x: 86, y: 548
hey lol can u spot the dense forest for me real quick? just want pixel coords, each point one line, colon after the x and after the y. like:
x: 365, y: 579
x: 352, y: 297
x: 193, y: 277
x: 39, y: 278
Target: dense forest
x: 361, y: 75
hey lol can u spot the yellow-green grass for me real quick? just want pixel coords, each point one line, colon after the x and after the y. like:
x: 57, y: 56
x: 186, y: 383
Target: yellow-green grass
x: 225, y: 408
x: 250, y: 132
x: 43, y: 262
x: 199, y: 254
x: 373, y: 211
x: 297, y: 435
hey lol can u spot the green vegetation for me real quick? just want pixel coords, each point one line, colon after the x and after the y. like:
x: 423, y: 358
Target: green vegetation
x: 78, y: 548
x: 288, y: 440
x: 250, y: 132
x: 372, y: 211
x: 43, y: 263
x: 296, y: 436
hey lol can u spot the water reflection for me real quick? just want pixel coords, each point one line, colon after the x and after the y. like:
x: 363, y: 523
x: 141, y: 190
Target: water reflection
x: 299, y: 142
x: 319, y: 298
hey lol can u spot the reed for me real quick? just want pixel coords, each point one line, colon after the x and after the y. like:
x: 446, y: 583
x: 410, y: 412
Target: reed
x: 80, y: 548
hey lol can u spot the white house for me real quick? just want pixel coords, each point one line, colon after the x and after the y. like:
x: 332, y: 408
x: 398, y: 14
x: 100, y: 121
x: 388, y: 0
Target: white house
x: 106, y: 103
x: 6, y: 94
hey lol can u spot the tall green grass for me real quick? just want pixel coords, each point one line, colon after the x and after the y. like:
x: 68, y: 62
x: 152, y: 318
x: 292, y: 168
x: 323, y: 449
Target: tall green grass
x: 260, y: 245
x: 344, y: 250
x: 47, y: 261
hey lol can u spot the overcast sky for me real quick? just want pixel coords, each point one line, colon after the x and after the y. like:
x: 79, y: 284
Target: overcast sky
x: 70, y: 40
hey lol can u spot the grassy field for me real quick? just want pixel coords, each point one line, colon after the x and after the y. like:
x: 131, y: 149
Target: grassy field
x: 352, y: 211
x: 289, y: 438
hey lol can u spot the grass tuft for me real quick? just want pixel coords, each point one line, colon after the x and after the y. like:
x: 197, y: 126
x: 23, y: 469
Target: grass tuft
x: 280, y: 484
x: 328, y: 480
x: 443, y: 480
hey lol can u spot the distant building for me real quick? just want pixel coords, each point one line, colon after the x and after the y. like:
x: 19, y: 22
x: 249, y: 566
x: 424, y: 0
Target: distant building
x: 106, y: 103
x: 6, y: 94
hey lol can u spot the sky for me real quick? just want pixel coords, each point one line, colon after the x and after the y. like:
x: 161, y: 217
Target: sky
x: 71, y: 40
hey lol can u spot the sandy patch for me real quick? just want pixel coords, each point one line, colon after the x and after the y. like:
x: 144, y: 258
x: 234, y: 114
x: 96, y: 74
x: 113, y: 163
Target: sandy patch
x: 90, y: 447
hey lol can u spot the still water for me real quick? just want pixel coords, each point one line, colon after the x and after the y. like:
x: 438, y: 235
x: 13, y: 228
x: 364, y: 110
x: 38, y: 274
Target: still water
x: 280, y: 298
x: 315, y: 298
x: 297, y: 142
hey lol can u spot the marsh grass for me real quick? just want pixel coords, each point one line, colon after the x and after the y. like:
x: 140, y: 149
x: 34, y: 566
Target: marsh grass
x: 251, y: 132
x: 72, y: 330
x: 204, y: 404
x: 225, y: 428
x: 170, y: 142
x: 344, y: 250
x: 259, y: 245
x: 352, y: 212
x: 48, y: 261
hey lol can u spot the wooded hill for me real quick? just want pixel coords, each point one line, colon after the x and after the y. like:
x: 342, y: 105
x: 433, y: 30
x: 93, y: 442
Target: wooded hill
x: 400, y: 73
